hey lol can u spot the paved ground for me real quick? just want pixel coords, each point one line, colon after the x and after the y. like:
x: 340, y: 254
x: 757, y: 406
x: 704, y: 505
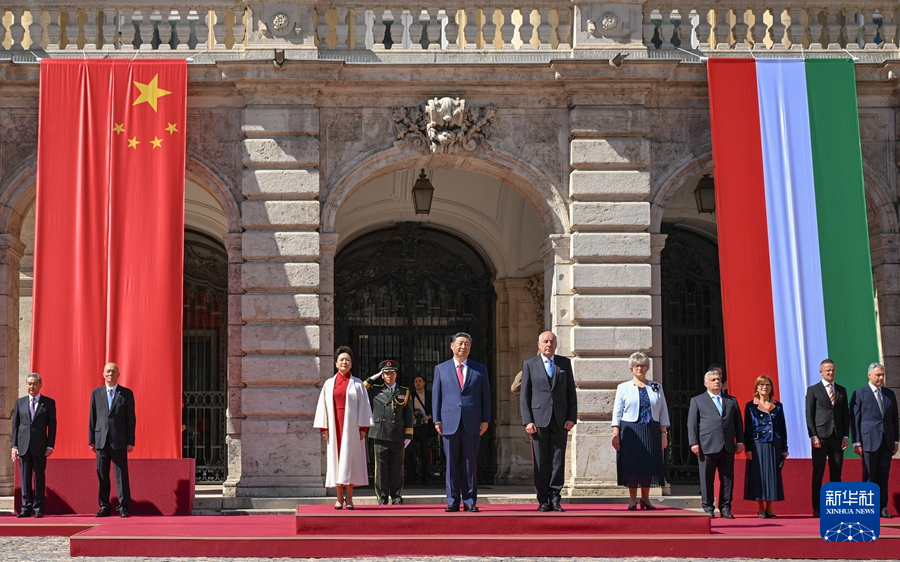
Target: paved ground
x: 55, y: 549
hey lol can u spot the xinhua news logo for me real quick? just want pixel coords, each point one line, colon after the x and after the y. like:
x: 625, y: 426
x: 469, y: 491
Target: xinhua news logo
x: 850, y: 512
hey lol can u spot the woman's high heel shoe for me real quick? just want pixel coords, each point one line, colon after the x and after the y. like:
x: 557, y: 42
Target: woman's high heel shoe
x: 647, y: 505
x: 339, y: 505
x: 632, y: 507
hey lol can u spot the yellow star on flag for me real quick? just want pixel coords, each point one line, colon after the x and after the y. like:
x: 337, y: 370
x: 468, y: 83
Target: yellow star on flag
x: 156, y: 142
x: 119, y: 128
x: 172, y: 128
x: 132, y: 143
x: 150, y: 92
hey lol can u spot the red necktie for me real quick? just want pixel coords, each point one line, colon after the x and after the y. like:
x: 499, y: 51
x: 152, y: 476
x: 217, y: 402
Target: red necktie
x: 459, y: 375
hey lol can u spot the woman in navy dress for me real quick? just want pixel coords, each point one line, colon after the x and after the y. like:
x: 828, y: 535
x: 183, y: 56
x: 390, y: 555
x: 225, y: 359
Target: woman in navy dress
x: 640, y: 421
x: 765, y: 436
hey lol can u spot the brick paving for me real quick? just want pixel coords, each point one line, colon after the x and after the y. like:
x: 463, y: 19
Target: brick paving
x: 56, y: 549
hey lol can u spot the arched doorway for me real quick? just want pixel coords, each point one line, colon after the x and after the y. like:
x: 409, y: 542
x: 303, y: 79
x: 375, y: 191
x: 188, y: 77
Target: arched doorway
x: 692, y: 335
x: 204, y: 362
x: 400, y: 293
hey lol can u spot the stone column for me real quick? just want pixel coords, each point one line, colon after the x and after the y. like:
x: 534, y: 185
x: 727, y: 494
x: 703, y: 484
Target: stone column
x: 611, y: 274
x: 657, y: 244
x: 886, y: 275
x: 234, y: 416
x: 11, y: 251
x: 281, y: 307
x: 519, y: 321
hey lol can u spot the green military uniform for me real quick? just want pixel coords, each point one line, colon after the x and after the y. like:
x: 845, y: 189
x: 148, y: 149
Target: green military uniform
x: 393, y: 415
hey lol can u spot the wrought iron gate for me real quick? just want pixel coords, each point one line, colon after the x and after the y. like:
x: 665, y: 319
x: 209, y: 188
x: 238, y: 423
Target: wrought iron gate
x: 692, y: 336
x: 400, y: 293
x: 204, y: 364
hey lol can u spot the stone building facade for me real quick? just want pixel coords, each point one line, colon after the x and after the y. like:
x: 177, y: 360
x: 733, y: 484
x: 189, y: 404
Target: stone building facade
x: 564, y: 148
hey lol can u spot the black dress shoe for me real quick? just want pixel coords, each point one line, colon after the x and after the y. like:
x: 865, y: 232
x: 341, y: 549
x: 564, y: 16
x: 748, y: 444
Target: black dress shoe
x: 712, y: 514
x: 726, y: 514
x: 123, y: 512
x: 816, y: 513
x: 104, y: 512
x: 473, y: 508
x: 38, y: 513
x: 451, y: 508
x: 555, y: 506
x: 24, y: 513
x: 771, y: 516
x: 544, y: 507
x: 397, y: 501
x: 885, y: 514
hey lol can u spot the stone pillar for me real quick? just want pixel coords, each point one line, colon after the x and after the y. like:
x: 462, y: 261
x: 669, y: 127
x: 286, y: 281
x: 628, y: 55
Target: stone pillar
x: 886, y: 276
x: 234, y: 416
x: 11, y: 251
x: 657, y: 244
x: 281, y: 307
x: 610, y: 275
x: 519, y: 321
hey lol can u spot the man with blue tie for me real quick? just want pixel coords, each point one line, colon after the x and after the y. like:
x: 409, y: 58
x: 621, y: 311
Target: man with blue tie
x: 715, y: 433
x: 549, y: 410
x: 111, y: 437
x: 461, y: 406
x: 875, y: 429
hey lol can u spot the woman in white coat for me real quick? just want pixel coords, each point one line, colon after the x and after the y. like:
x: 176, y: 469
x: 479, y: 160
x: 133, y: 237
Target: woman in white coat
x: 343, y: 415
x: 640, y: 420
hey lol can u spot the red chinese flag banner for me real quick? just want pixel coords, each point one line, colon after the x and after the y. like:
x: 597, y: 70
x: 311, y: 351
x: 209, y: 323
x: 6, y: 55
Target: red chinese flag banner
x: 109, y: 243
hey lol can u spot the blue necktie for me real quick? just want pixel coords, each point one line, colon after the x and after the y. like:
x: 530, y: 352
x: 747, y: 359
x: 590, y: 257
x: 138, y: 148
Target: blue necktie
x: 718, y: 400
x: 109, y: 398
x: 549, y: 363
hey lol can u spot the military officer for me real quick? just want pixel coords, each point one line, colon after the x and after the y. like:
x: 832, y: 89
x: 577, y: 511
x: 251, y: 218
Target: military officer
x: 393, y: 430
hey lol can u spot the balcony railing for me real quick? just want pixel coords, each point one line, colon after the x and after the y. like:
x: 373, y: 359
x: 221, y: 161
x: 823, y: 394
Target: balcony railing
x: 469, y: 31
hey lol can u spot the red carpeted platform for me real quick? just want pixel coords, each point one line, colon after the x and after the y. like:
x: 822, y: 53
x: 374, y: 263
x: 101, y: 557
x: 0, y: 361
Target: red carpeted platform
x: 578, y: 519
x: 797, y: 477
x: 357, y: 534
x: 158, y: 486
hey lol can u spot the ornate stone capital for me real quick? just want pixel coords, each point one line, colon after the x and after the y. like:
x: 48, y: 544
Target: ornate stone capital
x: 444, y: 126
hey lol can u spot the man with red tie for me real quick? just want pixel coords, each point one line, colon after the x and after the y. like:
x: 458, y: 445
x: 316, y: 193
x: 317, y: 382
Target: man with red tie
x: 828, y: 424
x: 461, y: 406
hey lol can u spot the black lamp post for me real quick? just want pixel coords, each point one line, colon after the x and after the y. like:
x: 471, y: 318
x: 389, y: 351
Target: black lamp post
x: 705, y: 194
x: 422, y: 192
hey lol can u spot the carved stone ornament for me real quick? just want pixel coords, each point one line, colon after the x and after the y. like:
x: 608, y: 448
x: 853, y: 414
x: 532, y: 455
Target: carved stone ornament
x: 609, y: 22
x: 535, y: 288
x: 281, y: 24
x: 444, y: 125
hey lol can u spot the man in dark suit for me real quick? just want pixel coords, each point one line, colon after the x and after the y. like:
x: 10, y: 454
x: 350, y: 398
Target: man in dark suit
x: 828, y: 424
x: 549, y: 411
x: 715, y: 433
x: 393, y: 430
x: 111, y: 437
x: 876, y: 432
x: 33, y: 439
x: 461, y: 402
x: 419, y: 454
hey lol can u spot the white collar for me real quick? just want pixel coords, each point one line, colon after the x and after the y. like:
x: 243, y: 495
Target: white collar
x: 713, y: 396
x: 826, y: 383
x: 36, y: 398
x: 873, y: 388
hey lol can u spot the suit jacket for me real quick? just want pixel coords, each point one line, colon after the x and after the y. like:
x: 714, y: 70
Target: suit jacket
x: 469, y: 406
x: 823, y: 418
x: 712, y: 431
x: 113, y: 427
x: 391, y: 411
x: 36, y: 435
x: 542, y: 397
x: 867, y: 424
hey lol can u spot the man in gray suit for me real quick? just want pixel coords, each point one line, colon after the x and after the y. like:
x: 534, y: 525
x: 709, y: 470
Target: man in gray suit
x: 33, y: 439
x: 715, y: 433
x: 111, y: 437
x: 549, y: 411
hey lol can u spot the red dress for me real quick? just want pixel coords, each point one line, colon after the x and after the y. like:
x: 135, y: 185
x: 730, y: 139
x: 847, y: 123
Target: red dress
x: 340, y: 402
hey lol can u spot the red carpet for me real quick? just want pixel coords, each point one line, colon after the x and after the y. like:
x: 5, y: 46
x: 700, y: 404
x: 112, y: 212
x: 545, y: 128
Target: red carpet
x: 499, y: 532
x: 158, y: 486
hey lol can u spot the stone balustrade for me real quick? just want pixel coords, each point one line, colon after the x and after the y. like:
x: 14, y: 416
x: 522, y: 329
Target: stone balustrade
x: 365, y: 30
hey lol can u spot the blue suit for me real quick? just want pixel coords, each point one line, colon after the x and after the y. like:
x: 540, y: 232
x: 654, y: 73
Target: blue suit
x: 876, y: 433
x: 461, y: 411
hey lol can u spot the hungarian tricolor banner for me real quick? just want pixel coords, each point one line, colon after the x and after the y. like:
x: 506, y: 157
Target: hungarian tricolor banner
x: 109, y: 243
x: 794, y: 258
